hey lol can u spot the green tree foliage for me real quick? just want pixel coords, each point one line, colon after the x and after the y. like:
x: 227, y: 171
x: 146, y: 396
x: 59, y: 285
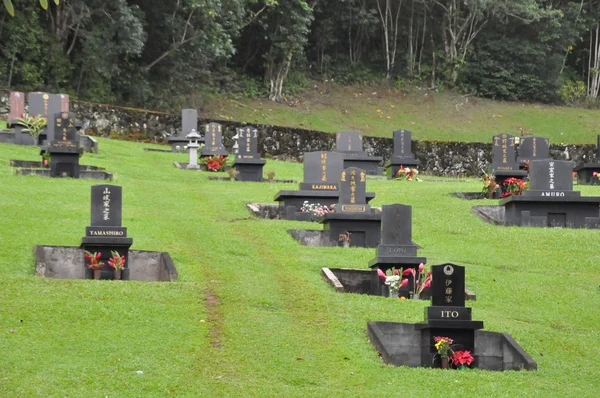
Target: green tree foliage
x: 155, y: 52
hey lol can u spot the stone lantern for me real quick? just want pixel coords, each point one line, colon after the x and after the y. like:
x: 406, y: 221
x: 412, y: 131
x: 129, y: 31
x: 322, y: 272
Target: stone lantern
x: 193, y: 146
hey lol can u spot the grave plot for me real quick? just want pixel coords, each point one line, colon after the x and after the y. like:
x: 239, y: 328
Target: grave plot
x: 42, y: 105
x: 448, y: 337
x: 61, y: 154
x: 352, y: 223
x: 397, y: 271
x: 587, y: 173
x: 402, y: 156
x: 320, y: 187
x: 350, y: 144
x: 549, y: 202
x: 104, y: 251
x: 532, y: 149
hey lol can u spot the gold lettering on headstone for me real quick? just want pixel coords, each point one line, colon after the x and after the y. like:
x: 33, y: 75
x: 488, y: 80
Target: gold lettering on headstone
x: 354, y: 208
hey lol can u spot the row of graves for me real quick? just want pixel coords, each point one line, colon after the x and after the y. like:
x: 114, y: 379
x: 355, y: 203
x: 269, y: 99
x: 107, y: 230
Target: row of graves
x: 415, y: 344
x: 44, y: 105
x: 104, y: 252
x: 60, y: 143
x: 550, y: 200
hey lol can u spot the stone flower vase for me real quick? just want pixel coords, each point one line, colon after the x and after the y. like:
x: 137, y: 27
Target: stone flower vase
x: 346, y: 244
x: 444, y: 363
x: 118, y: 274
x: 97, y: 274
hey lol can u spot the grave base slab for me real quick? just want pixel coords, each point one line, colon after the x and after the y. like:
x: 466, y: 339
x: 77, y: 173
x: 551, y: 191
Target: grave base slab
x: 402, y: 344
x: 364, y: 228
x: 296, y: 199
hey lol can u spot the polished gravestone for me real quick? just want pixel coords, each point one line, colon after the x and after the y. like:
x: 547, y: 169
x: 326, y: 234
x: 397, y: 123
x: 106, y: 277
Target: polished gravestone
x: 352, y: 214
x: 247, y: 162
x: 106, y: 233
x: 402, y: 155
x: 17, y: 109
x: 189, y: 122
x: 396, y: 249
x: 213, y: 145
x: 550, y: 200
x: 63, y: 148
x: 350, y: 144
x: 532, y: 149
x: 405, y: 344
x: 322, y: 171
x: 585, y: 172
x: 504, y: 161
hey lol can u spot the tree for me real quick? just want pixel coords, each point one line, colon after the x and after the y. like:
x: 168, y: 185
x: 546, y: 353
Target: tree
x: 8, y: 5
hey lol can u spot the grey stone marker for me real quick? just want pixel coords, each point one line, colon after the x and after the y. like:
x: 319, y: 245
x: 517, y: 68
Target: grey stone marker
x: 551, y: 178
x: 349, y: 141
x: 322, y: 170
x: 353, y: 191
x: 534, y: 148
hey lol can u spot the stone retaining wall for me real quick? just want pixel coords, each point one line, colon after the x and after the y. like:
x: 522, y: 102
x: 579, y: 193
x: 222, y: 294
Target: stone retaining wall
x: 286, y: 143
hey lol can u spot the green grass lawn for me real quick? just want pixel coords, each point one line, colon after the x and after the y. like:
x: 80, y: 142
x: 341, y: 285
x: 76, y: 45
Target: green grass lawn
x: 250, y: 314
x: 378, y: 111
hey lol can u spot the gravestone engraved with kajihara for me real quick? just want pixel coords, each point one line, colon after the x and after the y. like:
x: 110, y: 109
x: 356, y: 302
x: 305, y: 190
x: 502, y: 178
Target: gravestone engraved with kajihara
x: 322, y: 171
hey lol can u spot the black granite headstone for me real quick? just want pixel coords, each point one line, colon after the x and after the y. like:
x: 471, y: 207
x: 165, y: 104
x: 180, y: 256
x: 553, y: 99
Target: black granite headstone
x: 551, y: 178
x: 534, y: 148
x: 107, y: 205
x: 353, y: 191
x: 447, y: 285
x: 64, y: 148
x: 503, y: 153
x: 55, y: 105
x: 349, y: 141
x: 248, y: 143
x: 212, y: 141
x: 598, y: 148
x: 402, y: 145
x: 322, y: 171
x: 396, y: 232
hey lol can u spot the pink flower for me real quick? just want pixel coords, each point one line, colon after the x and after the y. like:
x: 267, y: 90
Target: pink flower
x: 395, y: 271
x: 407, y: 272
x: 595, y: 174
x: 404, y: 282
x: 421, y: 266
x: 381, y: 274
x: 426, y: 284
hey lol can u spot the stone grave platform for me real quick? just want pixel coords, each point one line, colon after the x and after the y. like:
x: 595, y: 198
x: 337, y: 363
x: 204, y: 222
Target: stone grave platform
x: 400, y: 344
x: 36, y: 168
x: 290, y: 202
x: 359, y: 281
x: 585, y: 173
x: 66, y: 262
x: 468, y: 195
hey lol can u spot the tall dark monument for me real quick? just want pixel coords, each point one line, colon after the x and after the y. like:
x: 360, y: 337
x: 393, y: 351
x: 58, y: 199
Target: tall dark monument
x: 350, y: 144
x: 403, y: 155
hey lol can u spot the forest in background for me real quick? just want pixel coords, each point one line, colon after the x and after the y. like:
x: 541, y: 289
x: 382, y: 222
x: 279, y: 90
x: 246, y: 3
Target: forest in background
x: 154, y: 53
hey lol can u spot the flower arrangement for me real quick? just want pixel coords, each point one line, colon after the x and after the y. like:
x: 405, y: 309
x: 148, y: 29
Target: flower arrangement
x: 233, y: 173
x: 34, y: 125
x: 344, y: 237
x: 214, y: 163
x: 443, y: 345
x: 316, y: 210
x: 116, y: 261
x: 460, y: 359
x: 93, y: 258
x: 406, y: 173
x: 400, y: 279
x: 514, y: 186
x: 393, y: 281
x: 489, y: 184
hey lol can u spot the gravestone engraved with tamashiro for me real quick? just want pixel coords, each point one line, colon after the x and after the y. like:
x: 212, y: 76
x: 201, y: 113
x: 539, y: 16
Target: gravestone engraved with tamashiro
x: 322, y: 171
x: 534, y: 148
x: 504, y: 153
x: 212, y: 140
x: 353, y: 191
x: 17, y: 106
x: 349, y: 141
x: 106, y: 211
x: 248, y: 143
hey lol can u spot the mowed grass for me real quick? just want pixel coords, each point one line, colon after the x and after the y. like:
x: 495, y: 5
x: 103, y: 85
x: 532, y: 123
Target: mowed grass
x: 250, y: 314
x: 430, y: 115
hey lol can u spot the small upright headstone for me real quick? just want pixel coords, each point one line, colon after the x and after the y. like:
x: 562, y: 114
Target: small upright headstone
x: 247, y: 143
x: 551, y: 178
x: 106, y: 233
x: 503, y: 153
x: 533, y: 148
x: 322, y: 171
x: 248, y: 164
x: 403, y: 146
x: 39, y: 103
x: 17, y: 106
x: 212, y: 141
x: 189, y: 123
x: 55, y: 105
x: 349, y: 141
x: 64, y: 148
x: 448, y: 286
x: 353, y: 191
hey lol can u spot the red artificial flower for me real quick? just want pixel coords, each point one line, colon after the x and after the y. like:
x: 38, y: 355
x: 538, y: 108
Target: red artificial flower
x: 408, y: 272
x: 381, y: 274
x: 404, y: 282
x: 461, y: 358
